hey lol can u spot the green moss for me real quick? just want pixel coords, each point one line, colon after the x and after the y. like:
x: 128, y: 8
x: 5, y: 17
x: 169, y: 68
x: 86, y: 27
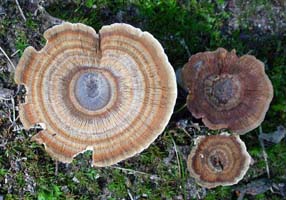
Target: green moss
x: 151, y: 155
x: 52, y: 192
x: 260, y: 197
x: 21, y: 41
x: 277, y: 161
x: 31, y: 23
x: 222, y: 192
x: 118, y: 186
x: 180, y: 26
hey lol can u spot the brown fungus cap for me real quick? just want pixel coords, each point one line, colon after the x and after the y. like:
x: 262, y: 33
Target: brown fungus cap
x: 112, y: 92
x: 227, y: 91
x: 218, y: 160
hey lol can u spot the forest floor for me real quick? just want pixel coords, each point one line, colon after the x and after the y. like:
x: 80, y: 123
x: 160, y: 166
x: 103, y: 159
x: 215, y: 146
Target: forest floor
x: 184, y: 27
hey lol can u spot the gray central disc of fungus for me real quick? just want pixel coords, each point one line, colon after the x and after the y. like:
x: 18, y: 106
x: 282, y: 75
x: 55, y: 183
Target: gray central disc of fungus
x: 222, y: 91
x: 111, y: 92
x: 217, y: 160
x: 92, y: 91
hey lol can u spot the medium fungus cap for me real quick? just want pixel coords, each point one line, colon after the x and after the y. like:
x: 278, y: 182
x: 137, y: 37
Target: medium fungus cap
x: 218, y: 160
x: 112, y: 92
x: 227, y: 91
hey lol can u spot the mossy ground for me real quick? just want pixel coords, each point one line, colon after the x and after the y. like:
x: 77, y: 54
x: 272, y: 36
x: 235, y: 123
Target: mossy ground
x: 183, y: 27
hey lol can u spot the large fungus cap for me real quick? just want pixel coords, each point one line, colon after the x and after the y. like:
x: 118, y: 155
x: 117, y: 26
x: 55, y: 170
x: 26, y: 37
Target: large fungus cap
x: 112, y: 92
x: 218, y: 160
x: 227, y: 91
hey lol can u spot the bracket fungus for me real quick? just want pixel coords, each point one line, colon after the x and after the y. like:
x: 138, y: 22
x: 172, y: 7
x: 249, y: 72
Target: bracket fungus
x: 227, y: 91
x: 218, y: 160
x: 112, y: 92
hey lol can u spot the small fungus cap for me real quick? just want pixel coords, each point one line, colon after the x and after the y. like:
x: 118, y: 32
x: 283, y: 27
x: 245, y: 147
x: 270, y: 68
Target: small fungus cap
x: 227, y: 91
x: 218, y: 160
x: 112, y: 92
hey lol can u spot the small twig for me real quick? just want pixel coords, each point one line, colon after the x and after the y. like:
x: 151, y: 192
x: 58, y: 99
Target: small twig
x: 184, y: 130
x: 177, y: 156
x: 13, y: 54
x: 4, y: 99
x: 183, y: 43
x: 12, y: 116
x: 18, y: 90
x: 21, y: 11
x: 21, y: 127
x: 249, y: 52
x: 181, y: 108
x: 13, y: 107
x: 9, y: 112
x: 264, y: 152
x: 7, y: 58
x: 241, y: 195
x: 46, y: 15
x: 130, y: 195
x: 3, y: 144
x: 56, y: 168
x: 18, y: 128
x: 130, y: 170
x: 15, y: 126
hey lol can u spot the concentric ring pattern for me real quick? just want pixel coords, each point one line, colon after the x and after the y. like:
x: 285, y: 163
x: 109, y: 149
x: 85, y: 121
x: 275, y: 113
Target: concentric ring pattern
x: 112, y: 92
x: 218, y: 160
x: 227, y: 91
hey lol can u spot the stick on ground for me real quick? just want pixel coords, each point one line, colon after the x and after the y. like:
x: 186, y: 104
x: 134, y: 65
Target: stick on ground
x: 21, y: 11
x: 4, y: 53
